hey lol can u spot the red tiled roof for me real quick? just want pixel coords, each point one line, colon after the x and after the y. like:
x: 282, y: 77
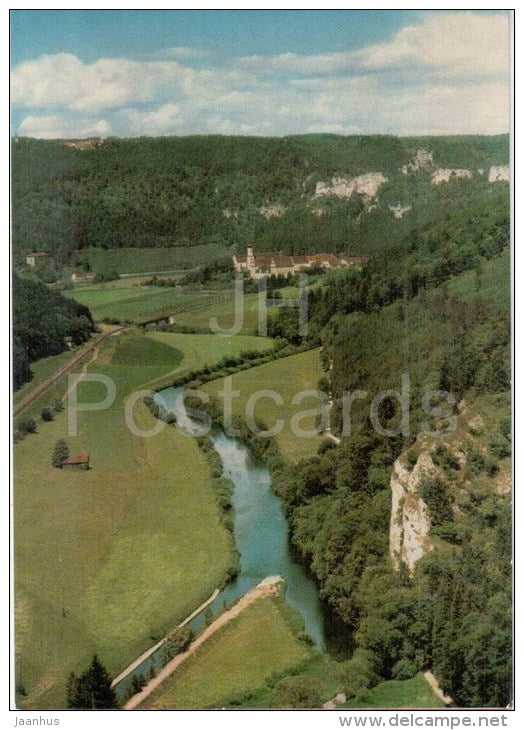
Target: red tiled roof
x: 319, y: 258
x: 281, y: 261
x: 76, y: 459
x: 263, y: 261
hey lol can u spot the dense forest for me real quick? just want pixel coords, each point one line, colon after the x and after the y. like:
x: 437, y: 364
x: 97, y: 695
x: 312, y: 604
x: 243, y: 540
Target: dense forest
x: 435, y: 307
x: 41, y: 320
x: 181, y: 192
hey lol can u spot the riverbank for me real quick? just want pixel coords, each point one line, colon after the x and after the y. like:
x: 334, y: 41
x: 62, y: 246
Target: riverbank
x: 149, y: 652
x: 270, y: 586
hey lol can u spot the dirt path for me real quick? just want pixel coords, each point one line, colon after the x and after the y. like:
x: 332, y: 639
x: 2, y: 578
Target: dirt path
x: 43, y: 387
x: 269, y: 586
x: 433, y: 683
x: 96, y: 351
x: 152, y: 650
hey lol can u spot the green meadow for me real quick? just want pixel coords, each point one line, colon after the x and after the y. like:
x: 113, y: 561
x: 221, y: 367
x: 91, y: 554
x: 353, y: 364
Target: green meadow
x: 287, y: 377
x: 110, y: 559
x: 201, y: 350
x: 190, y: 307
x: 398, y: 694
x: 237, y: 660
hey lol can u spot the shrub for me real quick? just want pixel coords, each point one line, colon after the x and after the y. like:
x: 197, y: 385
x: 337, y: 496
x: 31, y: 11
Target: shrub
x: 444, y: 458
x: 299, y: 691
x: 435, y: 493
x: 46, y: 414
x: 60, y: 452
x: 404, y: 669
x: 358, y: 673
x: 411, y: 457
x: 27, y: 425
x: 305, y: 638
x: 500, y: 446
x: 57, y: 405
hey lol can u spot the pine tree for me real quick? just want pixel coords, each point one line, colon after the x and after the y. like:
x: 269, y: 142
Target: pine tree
x: 92, y: 689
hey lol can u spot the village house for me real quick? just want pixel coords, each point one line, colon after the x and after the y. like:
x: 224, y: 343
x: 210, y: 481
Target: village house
x: 82, y: 277
x: 37, y: 257
x: 270, y: 264
x: 76, y: 461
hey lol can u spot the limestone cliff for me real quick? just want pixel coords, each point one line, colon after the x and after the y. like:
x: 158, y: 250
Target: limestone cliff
x: 343, y: 187
x: 445, y: 174
x: 499, y: 173
x: 410, y: 523
x: 421, y: 160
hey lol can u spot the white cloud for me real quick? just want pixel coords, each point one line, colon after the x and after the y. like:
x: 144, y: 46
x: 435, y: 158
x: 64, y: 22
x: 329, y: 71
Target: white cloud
x: 56, y: 127
x: 63, y: 80
x: 162, y: 121
x: 456, y: 43
x: 447, y: 75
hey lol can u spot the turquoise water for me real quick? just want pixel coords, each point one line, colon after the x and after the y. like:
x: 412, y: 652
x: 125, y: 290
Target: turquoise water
x: 261, y: 535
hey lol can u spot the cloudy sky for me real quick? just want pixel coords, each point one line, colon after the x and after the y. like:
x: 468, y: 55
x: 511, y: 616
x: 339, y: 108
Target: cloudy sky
x: 129, y: 73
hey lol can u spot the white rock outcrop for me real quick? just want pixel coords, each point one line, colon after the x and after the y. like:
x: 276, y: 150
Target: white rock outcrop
x: 272, y: 211
x: 230, y: 213
x: 499, y: 173
x: 445, y: 174
x: 410, y: 523
x: 399, y: 210
x: 421, y: 160
x: 343, y: 187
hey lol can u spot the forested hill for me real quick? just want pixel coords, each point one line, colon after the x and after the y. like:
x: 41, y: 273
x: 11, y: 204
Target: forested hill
x: 294, y: 194
x: 41, y: 320
x: 409, y: 534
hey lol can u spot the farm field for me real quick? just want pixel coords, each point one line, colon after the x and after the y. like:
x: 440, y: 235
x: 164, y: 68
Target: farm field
x: 144, y: 260
x: 287, y: 377
x: 110, y: 559
x: 191, y: 307
x: 408, y: 693
x: 199, y: 350
x: 237, y: 660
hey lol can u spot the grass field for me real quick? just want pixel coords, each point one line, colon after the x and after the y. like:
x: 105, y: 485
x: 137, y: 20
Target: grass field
x: 200, y: 350
x: 191, y: 307
x: 42, y: 370
x: 234, y: 661
x: 109, y: 559
x: 409, y: 693
x: 144, y: 260
x: 287, y: 377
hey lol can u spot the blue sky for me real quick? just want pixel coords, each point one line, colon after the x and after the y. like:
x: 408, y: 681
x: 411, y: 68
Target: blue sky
x: 94, y: 33
x: 77, y: 73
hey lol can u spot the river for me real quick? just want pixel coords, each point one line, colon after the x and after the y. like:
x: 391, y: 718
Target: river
x: 260, y: 531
